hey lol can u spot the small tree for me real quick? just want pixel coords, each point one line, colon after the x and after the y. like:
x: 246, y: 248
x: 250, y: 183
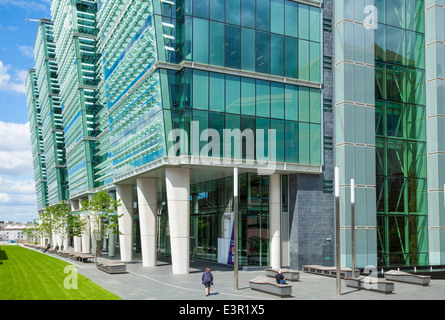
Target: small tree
x: 103, y: 217
x: 32, y: 232
x: 66, y: 223
x: 46, y: 223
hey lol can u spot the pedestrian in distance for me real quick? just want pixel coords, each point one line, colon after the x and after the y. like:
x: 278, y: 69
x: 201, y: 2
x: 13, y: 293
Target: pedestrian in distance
x: 280, y: 277
x: 47, y: 247
x: 207, y: 280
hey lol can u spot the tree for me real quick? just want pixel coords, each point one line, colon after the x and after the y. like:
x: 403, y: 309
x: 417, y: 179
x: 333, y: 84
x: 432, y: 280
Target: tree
x: 32, y: 232
x: 63, y: 222
x: 103, y: 217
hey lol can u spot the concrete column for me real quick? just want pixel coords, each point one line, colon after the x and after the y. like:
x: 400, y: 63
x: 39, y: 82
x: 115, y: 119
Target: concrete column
x: 112, y: 235
x: 178, y: 202
x: 275, y: 220
x: 86, y: 239
x: 126, y: 194
x: 147, y: 189
x: 77, y: 242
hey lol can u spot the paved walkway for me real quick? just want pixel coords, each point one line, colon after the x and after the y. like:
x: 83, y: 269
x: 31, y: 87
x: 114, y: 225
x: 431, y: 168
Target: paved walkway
x: 158, y: 283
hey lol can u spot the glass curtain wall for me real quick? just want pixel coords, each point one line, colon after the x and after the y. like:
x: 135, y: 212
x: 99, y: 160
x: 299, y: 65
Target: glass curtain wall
x: 211, y: 204
x: 401, y: 134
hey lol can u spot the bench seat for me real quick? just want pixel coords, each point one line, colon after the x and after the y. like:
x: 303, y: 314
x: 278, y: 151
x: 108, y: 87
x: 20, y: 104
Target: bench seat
x: 111, y: 267
x: 330, y: 271
x: 289, y: 275
x: 370, y: 283
x: 83, y: 257
x: 268, y: 285
x: 400, y: 276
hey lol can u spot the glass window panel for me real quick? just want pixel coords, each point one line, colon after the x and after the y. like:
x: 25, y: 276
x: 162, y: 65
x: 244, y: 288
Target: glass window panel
x: 315, y: 143
x: 303, y: 142
x: 264, y: 125
x: 248, y: 13
x: 262, y: 52
x: 277, y: 100
x: 263, y: 98
x: 216, y: 122
x: 291, y: 102
x: 233, y: 94
x: 247, y: 49
x: 202, y: 117
x: 395, y: 45
x: 278, y: 126
x: 303, y: 21
x: 291, y: 60
x: 233, y: 47
x: 291, y: 138
x: 263, y: 15
x: 217, y: 10
x: 315, y: 69
x: 315, y: 106
x: 217, y: 43
x: 248, y: 96
x: 277, y: 55
x: 395, y: 13
x: 290, y: 14
x: 303, y: 60
x: 303, y: 104
x: 201, y: 47
x: 200, y: 90
x: 233, y: 14
x: 276, y: 16
x: 217, y: 92
x: 201, y: 8
x: 314, y: 19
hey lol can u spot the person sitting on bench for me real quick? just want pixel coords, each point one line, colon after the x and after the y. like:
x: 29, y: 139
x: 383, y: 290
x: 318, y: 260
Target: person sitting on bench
x: 279, y: 277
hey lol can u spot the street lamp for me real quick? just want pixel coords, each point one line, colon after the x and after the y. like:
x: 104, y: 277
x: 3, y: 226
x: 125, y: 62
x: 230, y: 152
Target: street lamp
x: 337, y: 227
x: 353, y: 225
x: 235, y: 225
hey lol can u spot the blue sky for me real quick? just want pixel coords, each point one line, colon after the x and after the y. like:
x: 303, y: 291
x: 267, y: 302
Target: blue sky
x: 17, y: 37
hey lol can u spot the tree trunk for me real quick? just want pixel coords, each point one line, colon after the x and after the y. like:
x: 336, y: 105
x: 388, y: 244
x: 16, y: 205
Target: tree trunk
x: 98, y: 250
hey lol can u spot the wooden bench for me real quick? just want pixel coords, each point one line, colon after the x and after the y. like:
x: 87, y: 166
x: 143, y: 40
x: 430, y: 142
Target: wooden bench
x: 370, y: 283
x: 330, y: 271
x: 81, y: 257
x: 52, y: 250
x: 400, y: 276
x: 267, y: 285
x: 65, y: 253
x: 112, y: 267
x: 290, y: 275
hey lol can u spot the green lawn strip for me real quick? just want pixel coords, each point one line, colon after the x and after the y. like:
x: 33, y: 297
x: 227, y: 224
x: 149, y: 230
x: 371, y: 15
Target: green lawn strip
x: 30, y: 275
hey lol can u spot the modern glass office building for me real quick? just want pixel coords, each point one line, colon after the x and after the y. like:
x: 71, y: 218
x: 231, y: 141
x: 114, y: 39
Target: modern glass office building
x: 162, y: 100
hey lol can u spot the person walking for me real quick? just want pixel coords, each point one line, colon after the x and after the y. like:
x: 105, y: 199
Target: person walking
x: 207, y: 280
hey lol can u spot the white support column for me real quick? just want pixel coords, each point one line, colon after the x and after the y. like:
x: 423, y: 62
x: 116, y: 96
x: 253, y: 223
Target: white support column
x: 147, y: 189
x: 112, y: 235
x: 275, y: 220
x: 77, y: 241
x: 126, y: 194
x: 86, y: 239
x: 178, y: 201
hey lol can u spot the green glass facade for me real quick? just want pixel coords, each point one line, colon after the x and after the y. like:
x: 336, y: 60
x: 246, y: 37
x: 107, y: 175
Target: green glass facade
x: 401, y: 134
x: 35, y: 126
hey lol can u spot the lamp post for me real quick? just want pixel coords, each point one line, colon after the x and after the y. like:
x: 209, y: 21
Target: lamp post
x: 353, y: 225
x: 337, y: 228
x: 235, y: 225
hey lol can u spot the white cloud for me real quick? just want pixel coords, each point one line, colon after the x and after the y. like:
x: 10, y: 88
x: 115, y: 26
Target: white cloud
x: 26, y: 51
x: 17, y: 189
x: 26, y: 4
x: 7, y: 83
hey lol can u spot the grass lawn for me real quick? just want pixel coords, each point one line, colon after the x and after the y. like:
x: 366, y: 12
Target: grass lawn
x: 26, y: 274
